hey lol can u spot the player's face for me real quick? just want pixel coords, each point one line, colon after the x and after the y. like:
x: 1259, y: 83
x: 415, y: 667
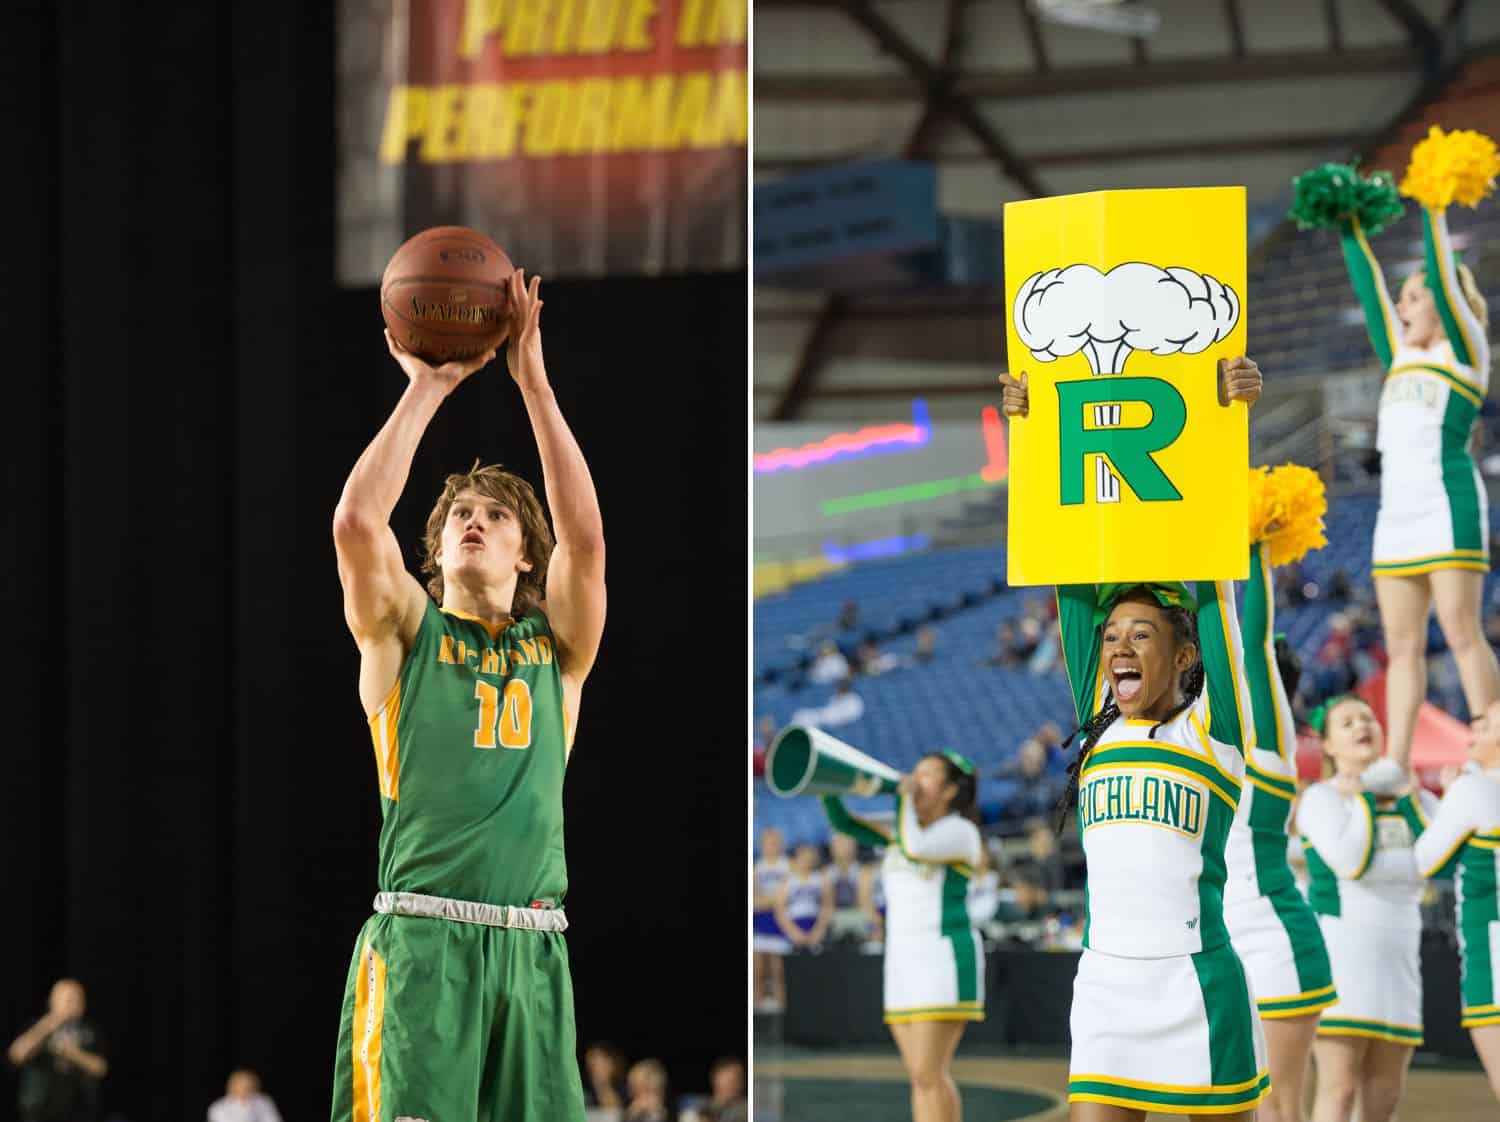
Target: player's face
x: 67, y: 999
x: 933, y: 791
x: 770, y: 843
x: 843, y: 848
x: 1352, y: 736
x: 1142, y: 659
x: 1418, y: 312
x: 482, y: 541
x: 807, y: 859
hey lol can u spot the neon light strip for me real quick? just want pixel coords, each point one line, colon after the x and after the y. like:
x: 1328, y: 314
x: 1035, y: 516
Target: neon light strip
x: 880, y: 547
x: 877, y: 440
x: 911, y: 493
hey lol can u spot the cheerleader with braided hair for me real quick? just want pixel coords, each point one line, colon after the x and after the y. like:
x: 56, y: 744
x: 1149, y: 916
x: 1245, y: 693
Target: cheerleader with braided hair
x: 1163, y: 1016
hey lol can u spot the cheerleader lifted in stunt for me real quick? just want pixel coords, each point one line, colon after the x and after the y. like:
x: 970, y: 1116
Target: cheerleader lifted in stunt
x: 1432, y: 533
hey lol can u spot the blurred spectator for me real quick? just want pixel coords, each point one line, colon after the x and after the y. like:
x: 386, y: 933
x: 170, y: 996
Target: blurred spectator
x: 244, y: 1101
x: 604, y: 1077
x: 845, y: 707
x: 726, y: 1081
x: 765, y: 732
x: 848, y: 617
x: 873, y: 661
x: 804, y: 906
x: 927, y: 638
x: 830, y: 665
x: 1026, y: 901
x: 1040, y: 788
x: 1044, y: 858
x: 647, y: 1085
x: 61, y: 1058
x: 769, y: 876
x: 1340, y: 587
x: 844, y: 874
x: 1014, y: 644
x: 1048, y: 648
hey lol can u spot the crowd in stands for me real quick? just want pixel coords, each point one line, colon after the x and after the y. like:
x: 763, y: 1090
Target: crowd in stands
x: 617, y: 1091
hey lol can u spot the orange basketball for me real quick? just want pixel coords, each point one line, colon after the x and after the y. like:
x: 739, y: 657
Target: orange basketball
x: 443, y: 294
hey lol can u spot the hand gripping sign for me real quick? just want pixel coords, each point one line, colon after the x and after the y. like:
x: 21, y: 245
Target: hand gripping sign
x: 1127, y: 468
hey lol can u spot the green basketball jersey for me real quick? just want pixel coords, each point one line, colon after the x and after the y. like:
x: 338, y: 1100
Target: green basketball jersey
x: 471, y: 745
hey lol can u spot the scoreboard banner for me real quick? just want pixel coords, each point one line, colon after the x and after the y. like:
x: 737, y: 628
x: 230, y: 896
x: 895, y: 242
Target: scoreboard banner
x: 1120, y: 306
x: 586, y: 137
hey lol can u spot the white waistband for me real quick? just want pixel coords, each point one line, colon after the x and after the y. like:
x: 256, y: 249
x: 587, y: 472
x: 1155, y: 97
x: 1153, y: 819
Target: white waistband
x: 467, y: 911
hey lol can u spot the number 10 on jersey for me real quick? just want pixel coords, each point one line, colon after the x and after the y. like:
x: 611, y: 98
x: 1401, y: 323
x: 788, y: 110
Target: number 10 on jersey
x: 508, y: 715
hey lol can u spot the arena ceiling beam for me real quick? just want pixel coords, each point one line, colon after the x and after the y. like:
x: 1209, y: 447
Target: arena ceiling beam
x: 1422, y: 34
x: 1049, y: 81
x: 940, y: 102
x: 1073, y: 157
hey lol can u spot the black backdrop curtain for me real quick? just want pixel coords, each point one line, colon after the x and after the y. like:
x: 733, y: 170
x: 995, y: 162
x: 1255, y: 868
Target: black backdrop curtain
x: 189, y: 807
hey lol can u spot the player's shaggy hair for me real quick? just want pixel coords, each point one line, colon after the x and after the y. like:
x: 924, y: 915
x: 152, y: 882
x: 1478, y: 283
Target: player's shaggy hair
x: 494, y: 482
x: 1185, y: 630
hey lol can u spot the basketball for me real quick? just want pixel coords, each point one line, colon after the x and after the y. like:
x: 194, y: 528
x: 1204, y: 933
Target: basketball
x: 443, y: 294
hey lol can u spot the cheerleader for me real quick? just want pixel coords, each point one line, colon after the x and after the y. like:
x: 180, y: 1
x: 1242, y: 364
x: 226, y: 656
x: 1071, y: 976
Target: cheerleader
x: 1163, y: 1016
x: 1432, y: 533
x: 1462, y: 839
x: 1367, y: 892
x: 1270, y: 924
x: 768, y: 944
x: 934, y: 961
x: 804, y: 904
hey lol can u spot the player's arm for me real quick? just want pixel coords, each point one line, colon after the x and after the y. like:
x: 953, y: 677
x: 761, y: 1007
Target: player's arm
x: 1465, y: 333
x: 382, y: 601
x: 1080, y: 647
x: 575, y: 575
x: 1436, y: 849
x: 867, y: 874
x: 1224, y: 686
x: 867, y: 829
x: 1270, y: 708
x: 1340, y: 828
x: 1370, y: 290
x: 30, y: 1042
x: 949, y: 839
x: 91, y: 1062
x: 825, y: 913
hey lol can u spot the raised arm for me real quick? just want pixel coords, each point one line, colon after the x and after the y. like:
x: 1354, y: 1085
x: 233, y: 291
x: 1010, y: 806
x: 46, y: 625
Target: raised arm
x: 30, y: 1042
x: 575, y: 576
x: 383, y: 603
x: 1369, y: 288
x: 1229, y: 713
x: 1453, y: 823
x: 1080, y: 647
x: 1465, y: 333
x: 1342, y: 830
x: 868, y: 829
x: 1271, y: 709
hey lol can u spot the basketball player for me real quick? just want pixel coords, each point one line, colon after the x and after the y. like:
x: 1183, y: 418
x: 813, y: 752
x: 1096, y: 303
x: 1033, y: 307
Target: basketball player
x: 934, y: 960
x: 1273, y: 929
x: 459, y: 1003
x: 1163, y: 1018
x: 1463, y: 838
x: 1366, y: 890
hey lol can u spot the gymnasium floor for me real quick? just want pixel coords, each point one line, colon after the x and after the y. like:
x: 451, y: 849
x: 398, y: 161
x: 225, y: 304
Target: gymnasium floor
x: 869, y: 1086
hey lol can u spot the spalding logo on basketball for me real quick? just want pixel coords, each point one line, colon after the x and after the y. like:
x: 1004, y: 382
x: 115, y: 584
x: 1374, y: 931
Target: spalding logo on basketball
x: 443, y: 295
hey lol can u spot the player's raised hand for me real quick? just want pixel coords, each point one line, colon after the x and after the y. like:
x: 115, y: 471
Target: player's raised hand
x: 1015, y: 400
x: 524, y: 355
x: 1239, y: 380
x: 448, y: 375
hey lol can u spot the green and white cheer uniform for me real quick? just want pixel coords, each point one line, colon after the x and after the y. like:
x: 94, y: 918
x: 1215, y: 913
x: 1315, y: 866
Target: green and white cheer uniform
x: 1462, y: 839
x: 1163, y: 1017
x: 1273, y: 929
x: 934, y: 958
x: 1434, y: 513
x: 1366, y: 889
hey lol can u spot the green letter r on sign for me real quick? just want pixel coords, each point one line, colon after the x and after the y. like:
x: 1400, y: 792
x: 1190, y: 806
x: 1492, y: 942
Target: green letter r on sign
x: 1129, y: 449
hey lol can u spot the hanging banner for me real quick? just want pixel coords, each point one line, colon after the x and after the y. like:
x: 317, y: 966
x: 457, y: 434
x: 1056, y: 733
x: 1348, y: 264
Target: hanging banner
x: 1120, y: 305
x: 586, y: 137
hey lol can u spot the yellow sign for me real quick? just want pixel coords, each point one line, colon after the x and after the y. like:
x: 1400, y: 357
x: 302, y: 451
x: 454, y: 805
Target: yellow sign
x: 1120, y: 305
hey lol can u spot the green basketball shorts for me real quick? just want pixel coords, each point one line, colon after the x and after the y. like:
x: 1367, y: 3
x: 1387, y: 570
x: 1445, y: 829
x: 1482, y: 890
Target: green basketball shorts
x: 446, y: 1021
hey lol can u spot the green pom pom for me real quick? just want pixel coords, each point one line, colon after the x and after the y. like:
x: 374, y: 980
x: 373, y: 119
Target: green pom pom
x: 1328, y: 195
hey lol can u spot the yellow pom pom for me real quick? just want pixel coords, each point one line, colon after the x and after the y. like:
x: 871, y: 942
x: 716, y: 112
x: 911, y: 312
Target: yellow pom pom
x: 1451, y: 167
x: 1287, y: 505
